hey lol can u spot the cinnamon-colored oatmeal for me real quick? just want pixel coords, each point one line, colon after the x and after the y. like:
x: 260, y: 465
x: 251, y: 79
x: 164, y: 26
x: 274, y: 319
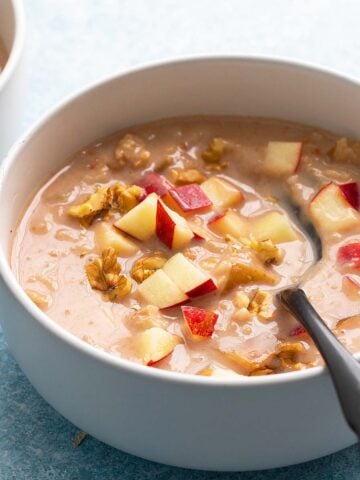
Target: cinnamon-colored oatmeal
x: 165, y: 243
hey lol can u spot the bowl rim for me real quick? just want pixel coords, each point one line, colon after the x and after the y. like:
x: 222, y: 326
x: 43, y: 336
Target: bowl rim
x: 118, y: 363
x: 18, y: 43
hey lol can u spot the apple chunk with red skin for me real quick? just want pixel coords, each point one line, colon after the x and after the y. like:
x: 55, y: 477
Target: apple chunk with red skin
x: 152, y: 182
x: 155, y: 344
x: 222, y: 193
x: 188, y: 199
x: 349, y: 255
x: 201, y: 322
x: 351, y: 193
x: 331, y: 211
x: 282, y: 158
x: 171, y: 228
x: 160, y: 290
x: 140, y: 221
x: 188, y: 277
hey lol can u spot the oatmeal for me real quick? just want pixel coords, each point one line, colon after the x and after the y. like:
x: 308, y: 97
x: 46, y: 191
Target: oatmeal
x: 166, y: 244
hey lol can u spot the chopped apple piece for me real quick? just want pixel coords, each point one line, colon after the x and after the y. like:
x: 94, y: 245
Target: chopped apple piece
x: 140, y: 222
x: 187, y: 199
x: 349, y: 255
x: 246, y: 268
x: 222, y: 193
x: 189, y: 278
x: 351, y: 193
x: 161, y: 291
x: 107, y: 236
x: 298, y: 331
x: 201, y: 322
x: 154, y: 344
x: 331, y: 211
x: 273, y: 226
x: 171, y: 228
x: 152, y: 182
x: 230, y: 223
x: 200, y: 233
x: 282, y: 158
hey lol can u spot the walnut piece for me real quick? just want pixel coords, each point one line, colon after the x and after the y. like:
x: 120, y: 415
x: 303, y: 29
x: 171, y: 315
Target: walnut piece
x: 131, y: 149
x: 147, y: 265
x: 95, y: 205
x: 344, y: 153
x: 265, y: 250
x: 287, y: 353
x: 40, y: 300
x: 261, y: 305
x: 246, y: 268
x: 104, y: 274
x: 215, y: 151
x: 187, y: 176
x: 125, y: 197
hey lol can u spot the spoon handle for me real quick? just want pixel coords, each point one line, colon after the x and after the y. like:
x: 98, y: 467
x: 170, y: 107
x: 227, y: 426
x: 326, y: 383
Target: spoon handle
x: 344, y: 369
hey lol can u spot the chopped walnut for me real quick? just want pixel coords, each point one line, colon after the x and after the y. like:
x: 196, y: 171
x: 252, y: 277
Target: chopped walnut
x: 288, y: 354
x: 95, y: 205
x: 124, y: 198
x: 42, y: 301
x: 104, y: 274
x: 187, y: 176
x: 261, y: 305
x: 241, y: 300
x: 343, y: 152
x: 215, y: 151
x: 246, y: 269
x: 265, y: 250
x: 147, y: 265
x: 131, y: 149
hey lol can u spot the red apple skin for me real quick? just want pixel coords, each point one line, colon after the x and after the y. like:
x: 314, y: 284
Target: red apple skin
x: 165, y: 226
x: 153, y: 182
x: 298, y: 331
x: 349, y: 255
x: 190, y: 198
x: 204, y: 289
x: 151, y: 363
x: 200, y: 322
x: 351, y: 193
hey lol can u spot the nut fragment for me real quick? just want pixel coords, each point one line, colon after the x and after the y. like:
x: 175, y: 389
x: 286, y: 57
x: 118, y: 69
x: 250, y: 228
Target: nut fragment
x: 261, y: 305
x: 343, y: 152
x: 96, y: 204
x: 288, y: 354
x: 265, y: 250
x: 104, y: 274
x: 215, y: 151
x: 125, y: 197
x: 187, y: 176
x: 147, y: 265
x: 131, y: 149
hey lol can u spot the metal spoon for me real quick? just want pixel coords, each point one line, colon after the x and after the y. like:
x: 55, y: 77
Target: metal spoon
x: 344, y: 369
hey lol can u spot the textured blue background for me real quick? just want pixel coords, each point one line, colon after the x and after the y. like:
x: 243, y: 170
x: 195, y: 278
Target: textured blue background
x: 73, y: 42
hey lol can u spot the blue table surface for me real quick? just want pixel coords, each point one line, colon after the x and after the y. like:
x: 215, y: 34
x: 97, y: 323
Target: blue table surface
x: 72, y: 43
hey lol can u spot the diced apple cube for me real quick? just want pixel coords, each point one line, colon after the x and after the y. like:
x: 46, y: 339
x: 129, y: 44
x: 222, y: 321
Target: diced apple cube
x: 107, y: 236
x: 140, y: 222
x: 154, y: 344
x: 189, y: 278
x: 200, y: 322
x: 222, y: 193
x: 331, y: 211
x: 273, y: 226
x: 152, y: 182
x: 351, y: 288
x: 349, y: 256
x: 230, y: 223
x: 200, y: 233
x: 171, y: 228
x: 161, y: 291
x: 187, y: 199
x: 282, y: 158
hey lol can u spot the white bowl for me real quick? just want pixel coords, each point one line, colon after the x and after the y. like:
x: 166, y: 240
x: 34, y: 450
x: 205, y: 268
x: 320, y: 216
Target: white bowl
x: 183, y: 420
x: 12, y: 33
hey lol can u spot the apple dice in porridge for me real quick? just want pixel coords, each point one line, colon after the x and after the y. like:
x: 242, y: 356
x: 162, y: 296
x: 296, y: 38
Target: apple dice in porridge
x: 166, y: 243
